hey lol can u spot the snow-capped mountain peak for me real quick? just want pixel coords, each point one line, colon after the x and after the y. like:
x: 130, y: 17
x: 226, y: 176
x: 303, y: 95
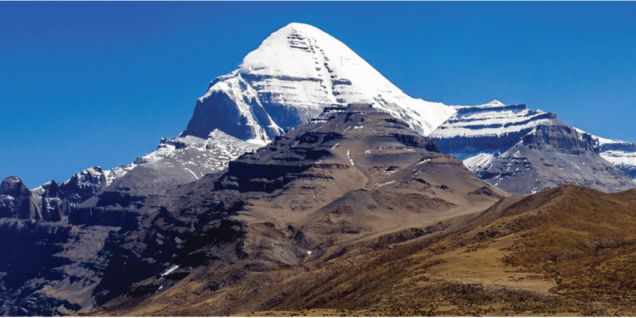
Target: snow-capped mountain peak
x: 304, y: 52
x: 295, y: 73
x: 494, y: 102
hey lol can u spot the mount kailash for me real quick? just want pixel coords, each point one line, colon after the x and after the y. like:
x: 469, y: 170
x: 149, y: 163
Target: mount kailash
x: 81, y: 227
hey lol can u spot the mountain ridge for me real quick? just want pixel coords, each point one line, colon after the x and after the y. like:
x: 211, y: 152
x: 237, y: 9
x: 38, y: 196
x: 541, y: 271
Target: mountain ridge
x: 263, y: 87
x: 352, y: 175
x: 524, y: 151
x: 274, y: 174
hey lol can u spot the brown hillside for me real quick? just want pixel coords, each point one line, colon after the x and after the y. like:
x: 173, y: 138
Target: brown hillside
x: 565, y: 251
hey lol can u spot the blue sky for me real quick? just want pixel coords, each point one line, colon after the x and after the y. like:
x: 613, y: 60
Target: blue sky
x: 85, y: 84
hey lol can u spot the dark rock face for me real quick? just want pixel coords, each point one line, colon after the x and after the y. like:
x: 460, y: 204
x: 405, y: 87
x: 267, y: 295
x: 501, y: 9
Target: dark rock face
x: 50, y: 257
x: 563, y: 138
x: 15, y: 199
x: 524, y: 151
x: 13, y: 186
x: 28, y: 253
x: 49, y: 268
x: 52, y: 201
x: 550, y: 156
x: 82, y: 185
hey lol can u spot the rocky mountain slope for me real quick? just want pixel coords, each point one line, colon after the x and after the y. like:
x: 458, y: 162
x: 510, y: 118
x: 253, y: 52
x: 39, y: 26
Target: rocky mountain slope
x: 288, y: 226
x: 525, y: 151
x: 51, y: 201
x: 350, y: 176
x: 552, y: 155
x: 564, y: 251
x: 295, y: 73
x: 621, y: 154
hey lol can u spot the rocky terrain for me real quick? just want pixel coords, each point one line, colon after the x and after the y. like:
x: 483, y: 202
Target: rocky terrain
x: 307, y: 183
x: 620, y: 153
x: 51, y: 201
x: 525, y: 151
x: 352, y: 175
x: 564, y: 251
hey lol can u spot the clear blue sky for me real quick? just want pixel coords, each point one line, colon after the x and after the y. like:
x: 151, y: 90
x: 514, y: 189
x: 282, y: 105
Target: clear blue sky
x: 85, y: 84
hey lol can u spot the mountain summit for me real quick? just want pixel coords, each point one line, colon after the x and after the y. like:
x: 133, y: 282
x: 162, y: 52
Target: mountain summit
x: 359, y: 209
x: 295, y: 73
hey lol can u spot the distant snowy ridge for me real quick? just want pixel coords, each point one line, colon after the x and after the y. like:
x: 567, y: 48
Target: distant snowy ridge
x: 493, y: 118
x: 295, y: 73
x: 493, y: 127
x: 618, y: 152
x: 524, y: 151
x: 203, y: 156
x: 180, y: 160
x: 175, y: 161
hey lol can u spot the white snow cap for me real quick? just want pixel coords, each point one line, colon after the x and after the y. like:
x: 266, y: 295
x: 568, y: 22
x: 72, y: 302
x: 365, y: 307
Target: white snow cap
x: 303, y: 51
x: 494, y: 102
x: 300, y: 69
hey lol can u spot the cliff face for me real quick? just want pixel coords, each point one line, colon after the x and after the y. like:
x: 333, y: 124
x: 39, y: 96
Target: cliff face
x: 621, y: 154
x: 524, y: 151
x: 52, y: 251
x: 16, y: 199
x: 553, y: 155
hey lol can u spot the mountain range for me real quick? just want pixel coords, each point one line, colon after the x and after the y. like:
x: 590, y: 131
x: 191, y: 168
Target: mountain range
x: 305, y: 164
x: 525, y: 151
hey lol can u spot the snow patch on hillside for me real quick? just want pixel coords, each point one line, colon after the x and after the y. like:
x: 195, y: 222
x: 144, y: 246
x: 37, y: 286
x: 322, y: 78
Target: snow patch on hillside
x: 479, y: 161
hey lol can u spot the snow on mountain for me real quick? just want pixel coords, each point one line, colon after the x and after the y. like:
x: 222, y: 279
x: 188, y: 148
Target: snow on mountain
x: 621, y: 154
x: 180, y: 160
x: 479, y: 162
x: 290, y: 78
x: 523, y: 150
x: 491, y: 127
x: 175, y: 161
